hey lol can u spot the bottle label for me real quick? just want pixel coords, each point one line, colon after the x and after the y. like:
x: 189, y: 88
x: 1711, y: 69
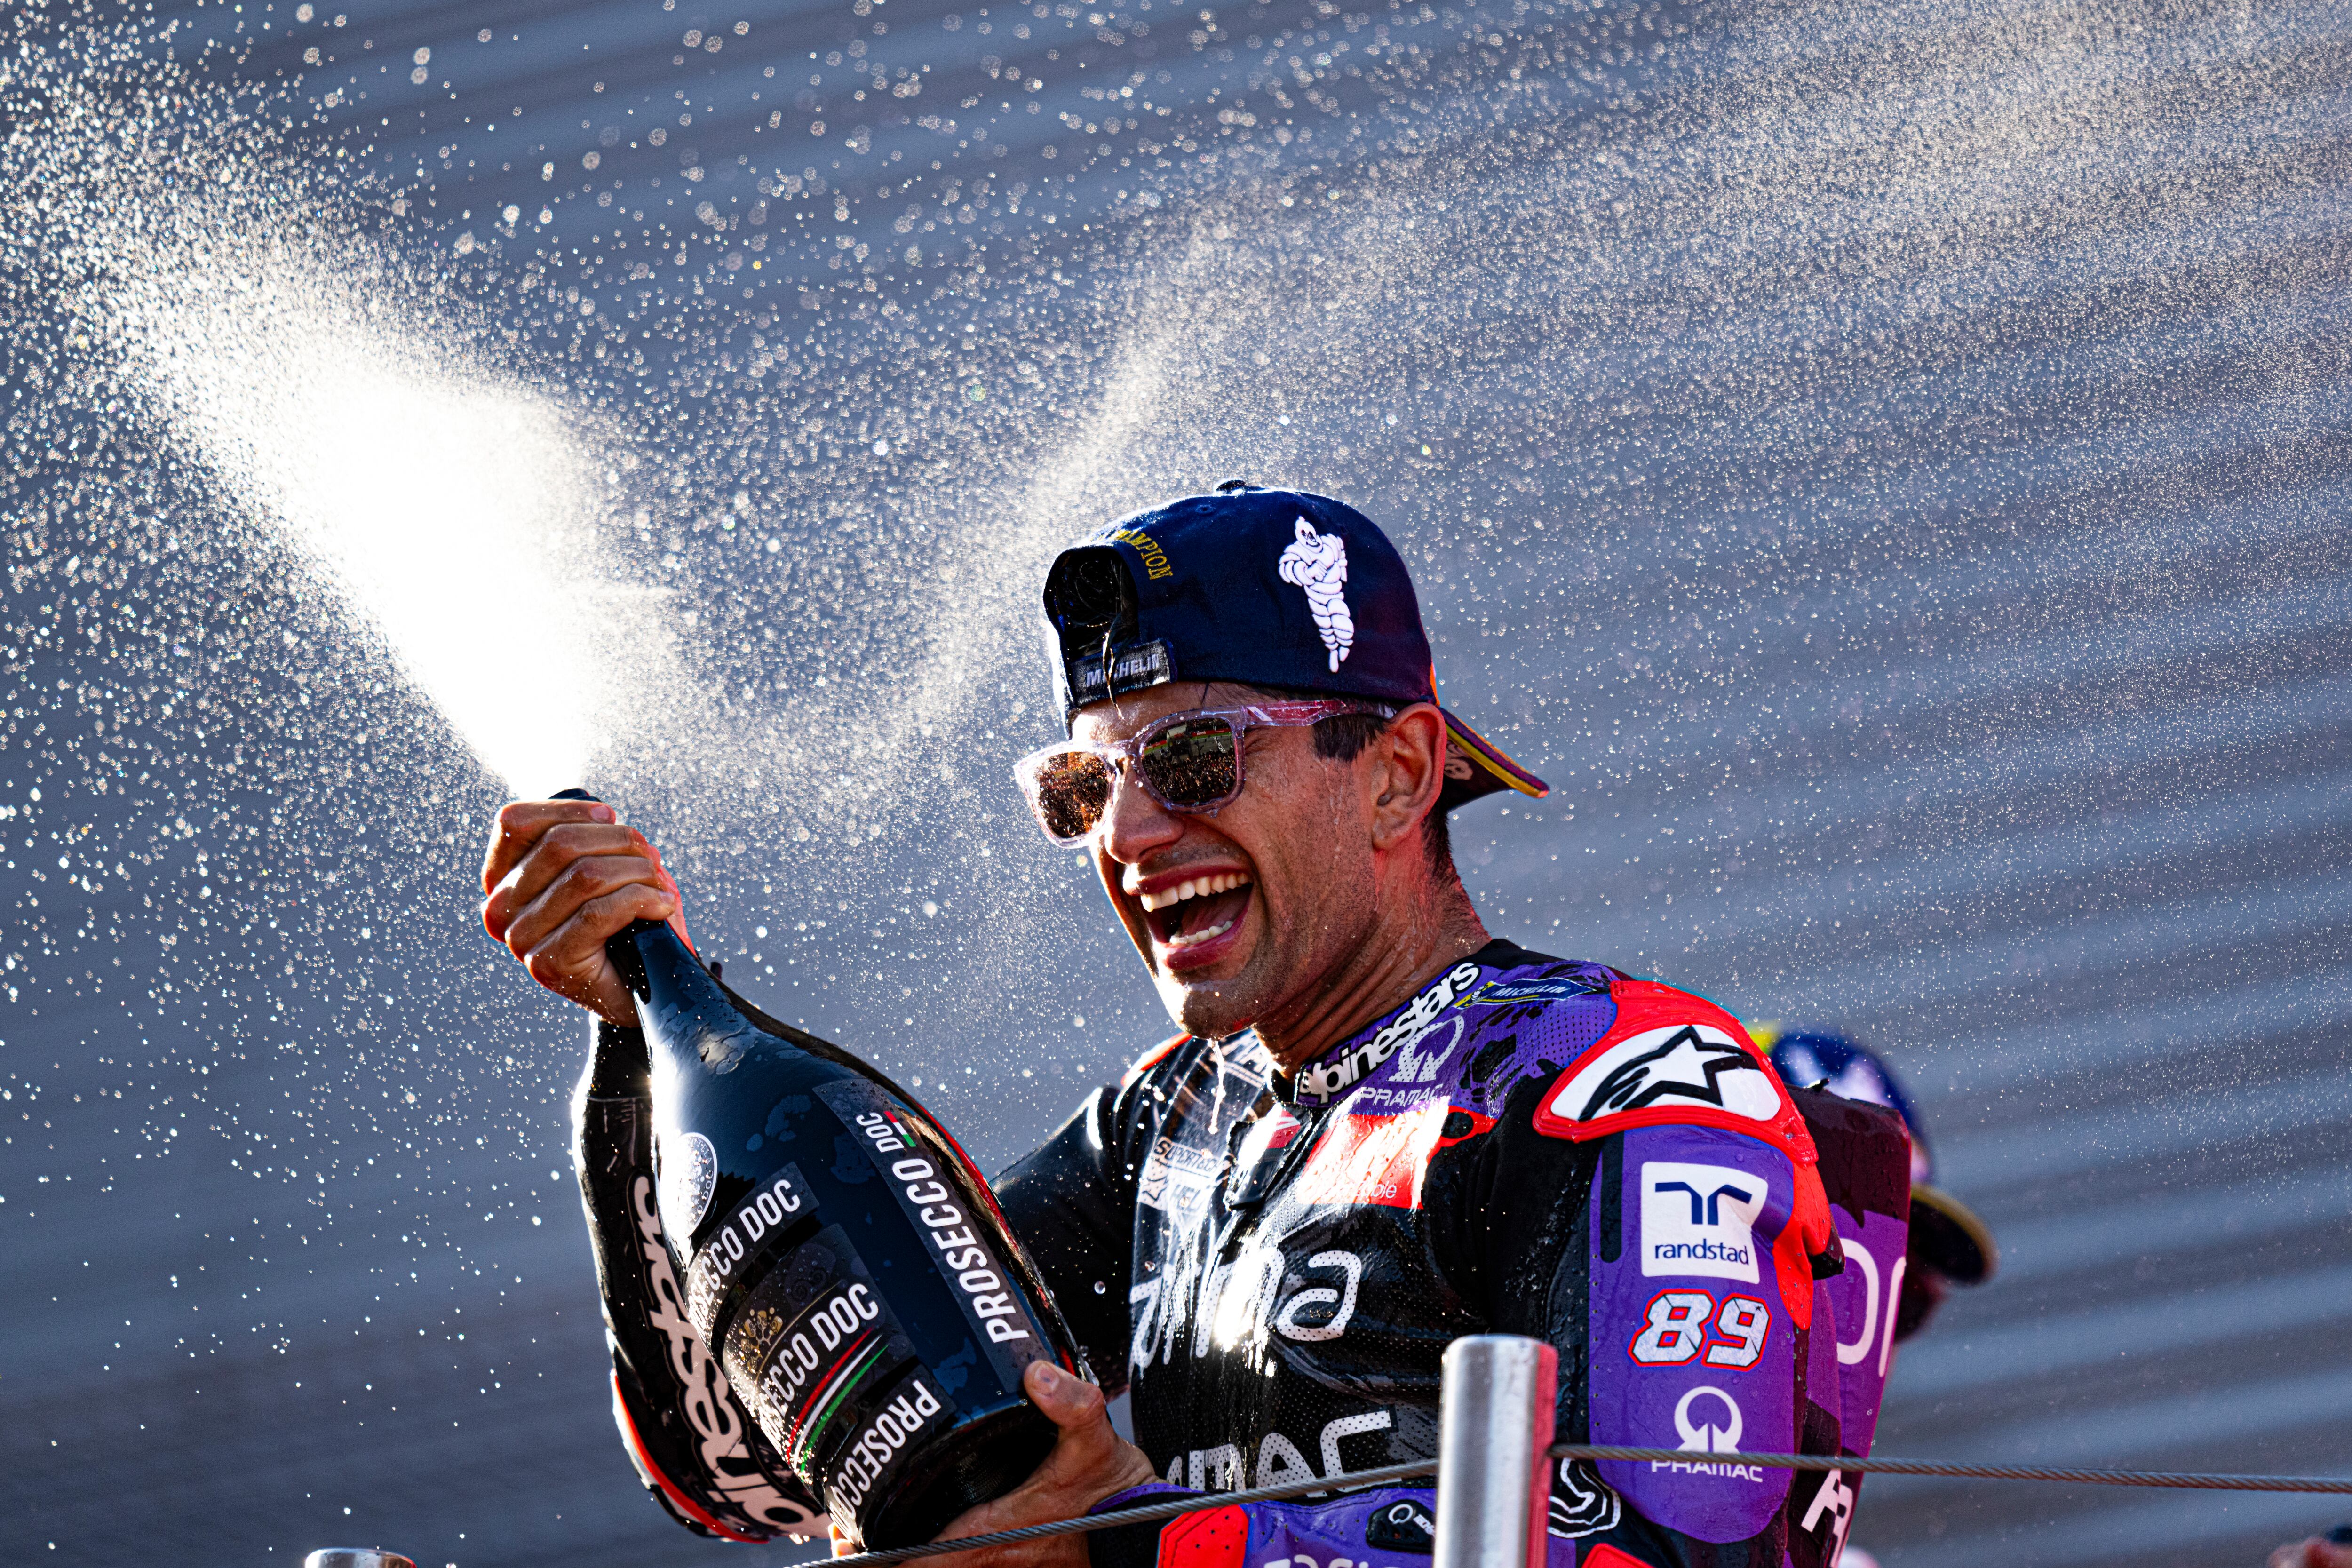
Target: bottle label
x: 915, y: 1162
x: 722, y: 1266
x: 915, y: 1408
x: 813, y: 1349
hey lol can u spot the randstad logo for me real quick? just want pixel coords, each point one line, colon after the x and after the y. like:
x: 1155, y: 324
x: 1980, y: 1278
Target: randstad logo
x: 1699, y: 1251
x: 1699, y: 1219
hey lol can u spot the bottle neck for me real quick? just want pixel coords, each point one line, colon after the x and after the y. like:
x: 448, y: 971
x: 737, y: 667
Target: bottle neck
x: 639, y: 943
x: 619, y: 1067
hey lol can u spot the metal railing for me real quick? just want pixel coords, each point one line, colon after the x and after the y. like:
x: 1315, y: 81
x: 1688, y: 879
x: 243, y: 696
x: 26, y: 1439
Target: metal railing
x: 1493, y: 1448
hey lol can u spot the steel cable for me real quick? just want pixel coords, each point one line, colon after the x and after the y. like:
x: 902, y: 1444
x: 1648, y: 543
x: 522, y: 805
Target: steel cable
x: 1980, y: 1472
x: 1194, y: 1502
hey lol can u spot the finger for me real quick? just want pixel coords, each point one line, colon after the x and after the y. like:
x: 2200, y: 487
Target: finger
x: 581, y: 882
x: 1087, y: 1444
x: 841, y: 1543
x: 1088, y: 1463
x: 520, y: 922
x: 571, y: 961
x: 519, y: 824
x: 523, y: 923
x: 577, y: 945
x: 559, y: 846
x: 1077, y: 1451
x: 1070, y: 1402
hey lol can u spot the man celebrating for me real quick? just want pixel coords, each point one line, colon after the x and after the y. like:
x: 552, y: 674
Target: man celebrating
x: 1380, y: 1129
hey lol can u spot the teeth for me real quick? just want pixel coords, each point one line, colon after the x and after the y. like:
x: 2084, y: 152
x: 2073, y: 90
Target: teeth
x: 1197, y: 937
x: 1201, y: 888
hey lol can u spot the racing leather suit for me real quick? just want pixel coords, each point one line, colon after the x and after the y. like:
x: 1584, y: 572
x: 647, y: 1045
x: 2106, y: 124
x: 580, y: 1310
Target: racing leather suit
x: 1528, y: 1146
x: 1272, y: 1266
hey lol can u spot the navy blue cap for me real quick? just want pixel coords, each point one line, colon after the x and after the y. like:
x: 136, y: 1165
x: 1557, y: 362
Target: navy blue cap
x: 1849, y: 1070
x: 1265, y: 587
x: 1946, y: 1233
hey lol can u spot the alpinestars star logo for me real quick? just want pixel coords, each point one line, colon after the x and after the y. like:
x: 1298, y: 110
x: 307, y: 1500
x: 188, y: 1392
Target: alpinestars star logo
x: 1318, y: 563
x: 1684, y: 1065
x: 1688, y: 1064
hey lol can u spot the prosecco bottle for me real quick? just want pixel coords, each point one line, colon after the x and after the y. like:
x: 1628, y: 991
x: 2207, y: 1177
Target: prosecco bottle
x: 841, y: 1256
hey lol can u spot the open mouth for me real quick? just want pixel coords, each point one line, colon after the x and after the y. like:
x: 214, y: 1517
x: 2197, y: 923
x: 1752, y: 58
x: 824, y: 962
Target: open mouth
x: 1196, y: 912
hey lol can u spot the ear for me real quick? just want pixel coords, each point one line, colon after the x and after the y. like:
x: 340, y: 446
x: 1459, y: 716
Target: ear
x: 1408, y: 771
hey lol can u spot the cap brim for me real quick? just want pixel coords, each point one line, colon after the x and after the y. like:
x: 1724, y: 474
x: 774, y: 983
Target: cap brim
x: 1947, y: 1237
x: 1475, y: 767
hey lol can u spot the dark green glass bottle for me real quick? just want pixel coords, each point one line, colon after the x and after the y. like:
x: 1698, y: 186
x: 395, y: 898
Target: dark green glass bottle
x: 840, y: 1252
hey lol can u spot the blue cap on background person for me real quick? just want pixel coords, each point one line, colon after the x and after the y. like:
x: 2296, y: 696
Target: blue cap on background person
x: 1269, y: 588
x: 1814, y: 1059
x: 1949, y: 1244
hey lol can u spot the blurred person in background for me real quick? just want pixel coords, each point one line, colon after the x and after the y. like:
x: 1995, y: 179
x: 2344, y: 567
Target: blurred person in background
x: 1946, y: 1244
x: 2332, y: 1549
x: 1379, y: 1129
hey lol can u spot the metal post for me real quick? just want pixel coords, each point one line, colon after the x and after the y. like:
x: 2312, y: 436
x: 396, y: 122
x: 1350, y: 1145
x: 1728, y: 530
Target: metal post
x: 1493, y: 1428
x: 355, y: 1557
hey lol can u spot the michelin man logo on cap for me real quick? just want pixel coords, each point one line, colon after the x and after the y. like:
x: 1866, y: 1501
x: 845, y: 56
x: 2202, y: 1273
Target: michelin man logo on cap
x: 1318, y: 563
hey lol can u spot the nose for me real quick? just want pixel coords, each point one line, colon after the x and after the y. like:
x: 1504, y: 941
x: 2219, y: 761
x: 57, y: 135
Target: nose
x: 1134, y: 825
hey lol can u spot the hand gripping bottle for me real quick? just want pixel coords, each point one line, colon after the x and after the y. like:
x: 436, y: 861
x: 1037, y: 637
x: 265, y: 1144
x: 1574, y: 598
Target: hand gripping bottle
x: 842, y: 1256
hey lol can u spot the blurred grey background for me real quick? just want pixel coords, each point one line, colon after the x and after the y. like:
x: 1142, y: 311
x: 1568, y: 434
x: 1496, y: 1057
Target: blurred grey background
x: 1885, y: 467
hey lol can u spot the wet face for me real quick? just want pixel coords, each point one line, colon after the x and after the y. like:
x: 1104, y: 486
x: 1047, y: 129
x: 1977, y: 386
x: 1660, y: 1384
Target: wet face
x: 1237, y: 912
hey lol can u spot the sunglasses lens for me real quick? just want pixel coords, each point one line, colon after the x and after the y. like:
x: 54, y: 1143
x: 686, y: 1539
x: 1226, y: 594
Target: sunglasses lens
x: 1070, y: 791
x: 1193, y: 765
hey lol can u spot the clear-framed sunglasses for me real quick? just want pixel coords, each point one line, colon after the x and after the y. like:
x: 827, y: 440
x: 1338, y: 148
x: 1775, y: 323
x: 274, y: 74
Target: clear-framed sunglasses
x: 1190, y: 763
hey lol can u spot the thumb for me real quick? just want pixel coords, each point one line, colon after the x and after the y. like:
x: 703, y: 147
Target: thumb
x: 1070, y: 1402
x: 1086, y: 1444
